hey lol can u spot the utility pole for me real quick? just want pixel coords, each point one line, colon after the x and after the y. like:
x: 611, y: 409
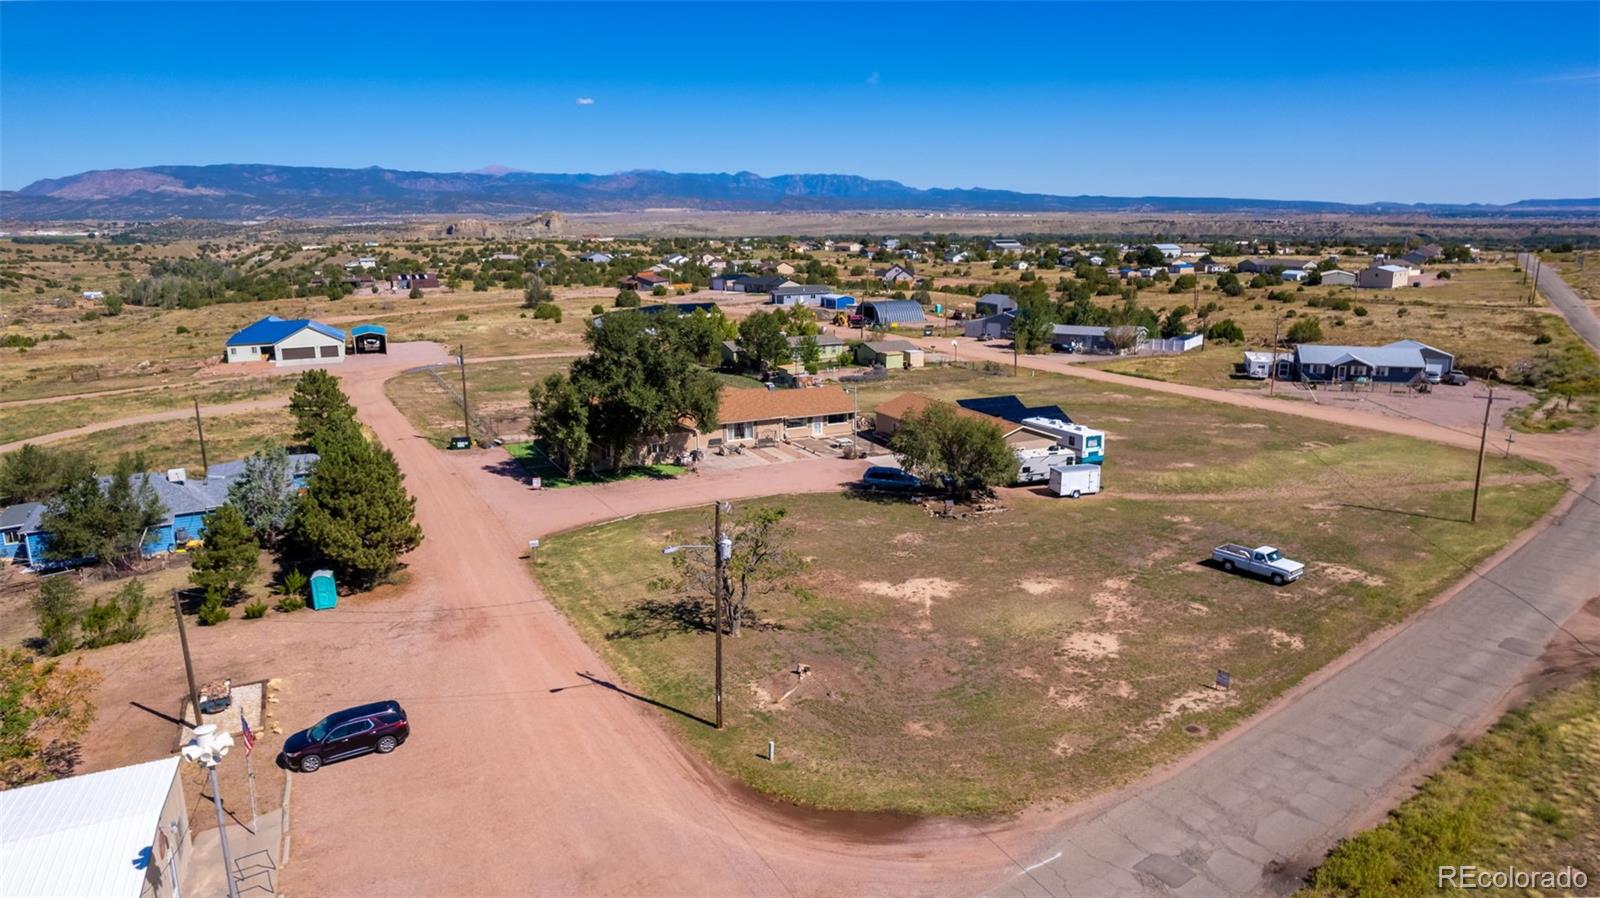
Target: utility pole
x: 466, y: 410
x: 188, y: 663
x: 1483, y: 441
x: 1272, y: 366
x: 201, y: 430
x: 716, y: 552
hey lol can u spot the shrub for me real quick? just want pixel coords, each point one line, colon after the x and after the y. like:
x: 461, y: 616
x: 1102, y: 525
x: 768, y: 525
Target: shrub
x: 181, y: 330
x: 1225, y: 331
x: 627, y: 299
x: 1339, y: 305
x: 1306, y: 330
x: 659, y: 291
x: 121, y: 619
x: 255, y: 610
x: 597, y: 309
x: 56, y: 608
x: 547, y: 310
x: 212, y: 610
x: 462, y: 316
x: 1401, y: 312
x: 288, y: 604
x: 1541, y: 340
x: 416, y: 293
x: 1361, y: 311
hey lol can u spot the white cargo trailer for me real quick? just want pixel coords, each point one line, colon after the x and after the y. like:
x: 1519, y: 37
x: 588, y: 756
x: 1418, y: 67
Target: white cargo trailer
x: 1075, y: 480
x: 1033, y: 465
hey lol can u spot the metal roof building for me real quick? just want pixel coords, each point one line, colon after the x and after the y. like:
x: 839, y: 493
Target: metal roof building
x: 286, y: 341
x: 110, y: 834
x: 892, y: 311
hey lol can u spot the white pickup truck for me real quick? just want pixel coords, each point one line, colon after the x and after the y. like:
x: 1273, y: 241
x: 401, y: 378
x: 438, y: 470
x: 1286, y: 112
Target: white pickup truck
x: 1263, y: 560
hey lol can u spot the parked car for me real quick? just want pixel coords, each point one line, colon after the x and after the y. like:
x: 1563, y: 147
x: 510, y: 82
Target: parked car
x: 883, y: 477
x: 1263, y: 560
x: 1457, y: 378
x: 381, y: 727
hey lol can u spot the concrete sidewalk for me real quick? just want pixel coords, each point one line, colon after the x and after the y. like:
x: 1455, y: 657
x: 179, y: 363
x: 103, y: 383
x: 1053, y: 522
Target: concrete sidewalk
x: 256, y: 858
x: 1254, y: 815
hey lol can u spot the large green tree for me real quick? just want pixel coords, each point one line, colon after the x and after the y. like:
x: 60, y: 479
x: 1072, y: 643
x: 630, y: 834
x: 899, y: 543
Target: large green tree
x: 561, y: 420
x: 35, y: 473
x: 107, y: 523
x: 317, y: 403
x: 265, y: 493
x: 964, y: 451
x: 229, y: 557
x: 639, y: 385
x: 764, y: 341
x: 356, y: 515
x: 1034, y: 324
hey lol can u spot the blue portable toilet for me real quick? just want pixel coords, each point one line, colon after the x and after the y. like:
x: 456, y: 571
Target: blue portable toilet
x: 324, y: 592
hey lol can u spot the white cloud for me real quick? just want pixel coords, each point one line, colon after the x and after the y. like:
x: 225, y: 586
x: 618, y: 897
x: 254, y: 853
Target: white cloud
x: 586, y: 101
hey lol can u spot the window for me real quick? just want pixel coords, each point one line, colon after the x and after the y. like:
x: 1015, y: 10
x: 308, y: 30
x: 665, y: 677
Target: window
x: 1383, y: 371
x: 842, y: 418
x: 10, y: 537
x: 354, y: 728
x: 795, y: 423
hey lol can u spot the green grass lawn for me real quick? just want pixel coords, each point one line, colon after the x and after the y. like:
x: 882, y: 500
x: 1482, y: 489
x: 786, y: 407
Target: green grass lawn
x: 534, y: 463
x: 1057, y: 648
x: 1524, y: 795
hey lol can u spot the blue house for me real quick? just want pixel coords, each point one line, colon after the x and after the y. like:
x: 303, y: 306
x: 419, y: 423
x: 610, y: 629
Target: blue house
x: 186, y: 502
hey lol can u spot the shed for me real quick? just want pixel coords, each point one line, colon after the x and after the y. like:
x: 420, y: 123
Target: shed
x: 324, y: 591
x: 892, y: 312
x: 1337, y: 278
x: 837, y: 301
x: 891, y: 354
x: 366, y: 338
x: 994, y: 304
x: 120, y: 833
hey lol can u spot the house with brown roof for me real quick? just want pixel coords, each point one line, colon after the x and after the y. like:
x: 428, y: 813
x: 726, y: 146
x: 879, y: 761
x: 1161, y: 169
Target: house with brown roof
x: 891, y: 414
x: 644, y: 281
x: 746, y: 416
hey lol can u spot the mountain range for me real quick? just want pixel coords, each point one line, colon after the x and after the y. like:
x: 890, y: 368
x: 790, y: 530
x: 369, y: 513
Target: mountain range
x: 283, y: 191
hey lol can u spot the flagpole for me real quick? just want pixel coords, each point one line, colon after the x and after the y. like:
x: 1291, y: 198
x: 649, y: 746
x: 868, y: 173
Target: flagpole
x: 250, y: 769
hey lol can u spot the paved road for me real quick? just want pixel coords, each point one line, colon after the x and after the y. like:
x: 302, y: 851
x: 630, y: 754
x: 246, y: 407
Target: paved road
x: 1566, y: 300
x: 1252, y: 816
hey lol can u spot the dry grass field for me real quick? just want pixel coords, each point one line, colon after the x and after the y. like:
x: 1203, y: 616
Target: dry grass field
x: 498, y: 392
x: 1058, y: 647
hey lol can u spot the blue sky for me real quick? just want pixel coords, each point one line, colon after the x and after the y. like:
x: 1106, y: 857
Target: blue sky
x: 1354, y: 102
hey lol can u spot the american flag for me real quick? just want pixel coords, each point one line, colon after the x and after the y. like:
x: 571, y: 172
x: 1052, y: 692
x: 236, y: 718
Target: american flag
x: 249, y: 737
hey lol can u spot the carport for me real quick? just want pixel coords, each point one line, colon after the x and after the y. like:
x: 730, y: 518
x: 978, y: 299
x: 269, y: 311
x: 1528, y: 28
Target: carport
x: 369, y: 338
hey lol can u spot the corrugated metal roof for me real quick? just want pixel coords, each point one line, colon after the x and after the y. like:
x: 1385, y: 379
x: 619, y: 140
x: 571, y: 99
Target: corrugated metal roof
x: 1391, y: 356
x: 360, y: 329
x: 894, y: 311
x: 272, y: 329
x: 84, y: 835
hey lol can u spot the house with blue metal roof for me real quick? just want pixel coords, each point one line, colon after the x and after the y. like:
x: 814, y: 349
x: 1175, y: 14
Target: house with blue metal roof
x: 287, y: 341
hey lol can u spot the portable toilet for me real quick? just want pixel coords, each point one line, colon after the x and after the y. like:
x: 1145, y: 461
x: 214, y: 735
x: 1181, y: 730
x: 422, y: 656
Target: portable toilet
x: 324, y: 592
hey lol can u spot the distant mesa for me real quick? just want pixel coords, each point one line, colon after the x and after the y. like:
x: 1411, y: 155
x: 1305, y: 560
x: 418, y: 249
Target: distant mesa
x: 500, y: 192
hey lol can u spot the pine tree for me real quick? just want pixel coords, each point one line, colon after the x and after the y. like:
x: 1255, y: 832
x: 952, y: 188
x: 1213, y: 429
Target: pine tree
x: 265, y: 493
x: 230, y: 556
x: 318, y: 403
x: 356, y: 515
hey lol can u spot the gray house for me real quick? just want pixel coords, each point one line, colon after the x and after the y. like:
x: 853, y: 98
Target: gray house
x: 994, y: 304
x: 800, y: 295
x: 1399, y: 362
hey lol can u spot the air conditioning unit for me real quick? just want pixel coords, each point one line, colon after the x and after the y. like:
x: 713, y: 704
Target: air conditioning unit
x: 177, y: 475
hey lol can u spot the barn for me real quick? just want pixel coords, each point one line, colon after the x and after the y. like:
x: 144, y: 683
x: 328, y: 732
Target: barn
x: 287, y: 341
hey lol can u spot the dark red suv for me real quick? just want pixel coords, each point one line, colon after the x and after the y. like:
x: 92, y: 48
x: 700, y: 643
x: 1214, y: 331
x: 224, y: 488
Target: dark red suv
x: 379, y: 727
